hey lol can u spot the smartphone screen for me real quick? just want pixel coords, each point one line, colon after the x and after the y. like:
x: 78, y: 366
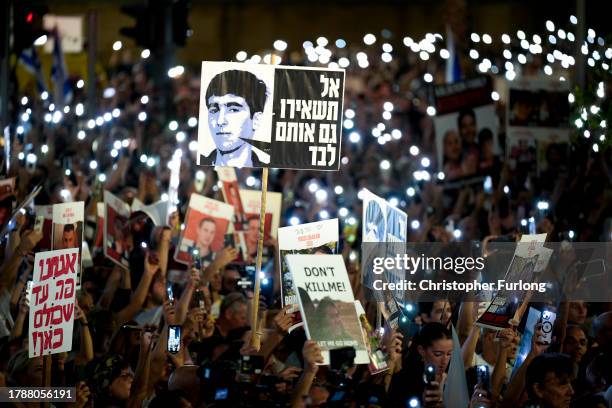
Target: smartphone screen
x: 170, y: 292
x: 174, y: 339
x: 38, y: 224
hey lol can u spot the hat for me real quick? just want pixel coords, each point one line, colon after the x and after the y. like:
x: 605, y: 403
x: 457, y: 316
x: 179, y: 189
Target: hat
x: 105, y: 372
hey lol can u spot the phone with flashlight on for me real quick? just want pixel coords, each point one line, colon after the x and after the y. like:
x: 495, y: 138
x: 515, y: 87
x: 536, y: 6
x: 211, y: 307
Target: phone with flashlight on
x: 174, y: 338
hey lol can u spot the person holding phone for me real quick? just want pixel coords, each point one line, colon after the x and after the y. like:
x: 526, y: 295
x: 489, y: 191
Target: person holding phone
x: 432, y: 349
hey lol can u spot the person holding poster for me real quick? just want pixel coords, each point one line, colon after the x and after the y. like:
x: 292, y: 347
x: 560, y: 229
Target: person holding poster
x: 235, y: 101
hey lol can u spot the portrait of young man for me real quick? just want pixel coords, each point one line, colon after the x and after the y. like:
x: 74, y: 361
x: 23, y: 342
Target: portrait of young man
x: 235, y: 101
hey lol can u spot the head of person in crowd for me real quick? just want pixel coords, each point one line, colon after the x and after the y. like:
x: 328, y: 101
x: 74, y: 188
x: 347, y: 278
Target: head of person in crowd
x: 548, y: 380
x: 102, y: 326
x: 439, y: 311
x: 86, y: 301
x: 452, y: 148
x: 434, y: 343
x: 233, y: 313
x: 231, y: 276
x: 577, y: 312
x: 25, y: 371
x: 205, y: 235
x: 111, y: 380
x: 602, y: 329
x: 185, y: 381
x: 486, y: 144
x: 575, y: 343
x: 69, y: 237
x: 466, y: 123
x: 157, y: 291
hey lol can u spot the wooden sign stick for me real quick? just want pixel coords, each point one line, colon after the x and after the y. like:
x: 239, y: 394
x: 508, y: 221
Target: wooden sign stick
x: 255, y: 330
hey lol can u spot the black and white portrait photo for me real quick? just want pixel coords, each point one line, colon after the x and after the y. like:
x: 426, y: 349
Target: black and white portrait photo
x: 235, y: 116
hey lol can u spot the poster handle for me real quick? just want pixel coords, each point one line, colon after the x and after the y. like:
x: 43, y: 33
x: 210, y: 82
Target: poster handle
x: 46, y: 380
x: 256, y: 333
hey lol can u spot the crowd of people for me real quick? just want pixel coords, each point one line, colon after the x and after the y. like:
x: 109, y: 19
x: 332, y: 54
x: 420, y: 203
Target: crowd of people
x: 120, y: 354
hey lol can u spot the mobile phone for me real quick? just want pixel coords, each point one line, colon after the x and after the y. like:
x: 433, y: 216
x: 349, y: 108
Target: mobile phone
x: 250, y: 365
x: 29, y: 285
x: 38, y: 224
x: 429, y: 375
x: 174, y: 338
x: 547, y: 321
x: 197, y: 263
x: 484, y: 379
x: 221, y: 394
x: 199, y: 299
x: 170, y: 292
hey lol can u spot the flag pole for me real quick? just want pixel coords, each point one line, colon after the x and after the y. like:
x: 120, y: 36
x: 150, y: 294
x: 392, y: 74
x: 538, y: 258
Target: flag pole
x: 255, y: 330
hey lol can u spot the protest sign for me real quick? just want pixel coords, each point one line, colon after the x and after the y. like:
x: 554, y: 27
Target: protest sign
x: 116, y: 229
x: 522, y: 268
x: 270, y: 116
x: 67, y: 229
x: 46, y: 212
x: 327, y: 304
x: 206, y: 224
x: 466, y: 129
x: 537, y: 123
x: 386, y: 225
x: 52, y: 301
x: 525, y: 344
x: 313, y: 238
x: 251, y: 200
x: 372, y: 340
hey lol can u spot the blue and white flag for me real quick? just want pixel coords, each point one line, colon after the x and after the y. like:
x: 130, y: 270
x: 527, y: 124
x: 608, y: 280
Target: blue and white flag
x: 453, y: 68
x: 29, y: 60
x: 62, y: 91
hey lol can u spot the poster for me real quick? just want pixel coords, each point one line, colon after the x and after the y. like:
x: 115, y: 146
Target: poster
x: 312, y: 238
x: 116, y: 229
x: 388, y: 226
x: 231, y: 195
x: 255, y: 115
x: 52, y: 300
x: 251, y: 200
x: 537, y: 123
x: 206, y: 224
x: 45, y: 211
x: 466, y: 129
x: 327, y: 304
x: 525, y: 344
x: 523, y: 267
x: 67, y: 229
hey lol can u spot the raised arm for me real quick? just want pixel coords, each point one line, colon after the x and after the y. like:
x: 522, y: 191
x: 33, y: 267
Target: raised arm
x: 312, y: 356
x: 140, y: 294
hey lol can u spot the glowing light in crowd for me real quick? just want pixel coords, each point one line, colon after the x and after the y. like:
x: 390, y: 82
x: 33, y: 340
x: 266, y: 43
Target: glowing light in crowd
x: 441, y: 175
x: 394, y: 201
x: 44, y: 149
x: 48, y: 117
x: 180, y: 137
x: 444, y: 53
x: 294, y: 221
x: 428, y: 77
x: 385, y: 165
x: 486, y: 38
x: 415, y: 224
x: 386, y: 57
x: 386, y: 47
x: 424, y: 55
x: 587, y: 134
x: 173, y: 125
x: 93, y: 164
x: 349, y: 113
x: 176, y: 71
x: 192, y: 122
x: 520, y: 34
x: 338, y: 190
x: 44, y: 95
x: 20, y: 130
x: 321, y: 195
x: 603, y: 124
x: 495, y: 96
x: 475, y: 37
x: 114, y: 153
x: 344, y: 160
x: 57, y: 117
x: 369, y: 39
x: 150, y: 162
x: 142, y: 116
x: 343, y: 62
x: 117, y: 45
x: 102, y: 177
x: 543, y: 205
x: 323, y: 214
x: 348, y: 124
x: 388, y: 106
x: 457, y: 234
x: 550, y: 26
x: 40, y: 41
x: 66, y: 109
x: 250, y: 181
x: 408, y: 41
x: 241, y: 56
x: 510, y: 75
x: 143, y: 158
x: 523, y: 222
x: 354, y: 137
x: 340, y: 43
x: 431, y: 111
x: 473, y: 54
x: 578, y: 123
x: 571, y: 98
x: 21, y: 155
x: 144, y: 99
x: 425, y: 162
x: 280, y: 45
x: 145, y: 54
x: 91, y: 123
x: 107, y: 117
x: 99, y: 121
x: 505, y: 38
x: 117, y: 144
x: 595, y: 147
x: 24, y: 100
x: 322, y: 41
x: 414, y: 150
x: 410, y: 192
